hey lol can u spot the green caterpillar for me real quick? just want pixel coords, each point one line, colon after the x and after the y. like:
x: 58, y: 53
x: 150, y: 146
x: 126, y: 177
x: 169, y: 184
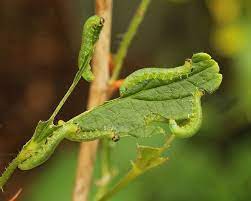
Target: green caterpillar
x: 192, y: 124
x: 152, y: 77
x: 90, y: 35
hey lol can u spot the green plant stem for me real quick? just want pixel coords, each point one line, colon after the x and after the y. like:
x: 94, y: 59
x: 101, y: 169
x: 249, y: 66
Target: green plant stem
x: 128, y: 37
x: 8, y: 172
x: 168, y: 142
x: 132, y: 174
x: 71, y: 88
x: 106, y: 173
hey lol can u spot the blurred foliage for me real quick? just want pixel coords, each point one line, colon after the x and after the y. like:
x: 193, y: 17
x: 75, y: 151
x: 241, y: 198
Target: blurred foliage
x: 193, y: 173
x: 40, y: 43
x: 231, y: 38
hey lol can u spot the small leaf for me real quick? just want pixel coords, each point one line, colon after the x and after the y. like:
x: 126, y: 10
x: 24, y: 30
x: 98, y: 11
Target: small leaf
x: 147, y: 158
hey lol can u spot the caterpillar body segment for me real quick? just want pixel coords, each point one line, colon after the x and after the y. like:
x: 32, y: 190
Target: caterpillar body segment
x: 150, y: 77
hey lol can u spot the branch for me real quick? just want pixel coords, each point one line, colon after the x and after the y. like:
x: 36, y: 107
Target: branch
x: 99, y: 91
x: 14, y: 198
x: 97, y: 95
x: 128, y: 37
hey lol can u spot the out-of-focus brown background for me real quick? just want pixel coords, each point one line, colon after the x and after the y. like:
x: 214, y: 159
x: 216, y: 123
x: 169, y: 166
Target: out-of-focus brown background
x: 39, y: 43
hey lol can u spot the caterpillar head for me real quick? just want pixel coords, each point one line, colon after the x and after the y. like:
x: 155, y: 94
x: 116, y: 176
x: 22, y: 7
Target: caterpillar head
x: 93, y: 27
x: 205, y: 73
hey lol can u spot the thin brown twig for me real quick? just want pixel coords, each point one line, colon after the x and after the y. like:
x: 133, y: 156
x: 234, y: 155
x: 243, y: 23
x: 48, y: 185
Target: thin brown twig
x: 14, y: 198
x: 97, y: 95
x: 114, y: 87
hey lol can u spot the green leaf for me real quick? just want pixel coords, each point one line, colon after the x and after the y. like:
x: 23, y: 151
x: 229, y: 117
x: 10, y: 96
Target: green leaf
x: 159, y: 95
x: 147, y: 158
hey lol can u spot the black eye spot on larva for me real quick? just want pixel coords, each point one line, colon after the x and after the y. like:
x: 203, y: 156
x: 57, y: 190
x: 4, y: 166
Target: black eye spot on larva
x: 115, y: 138
x: 102, y: 21
x: 189, y: 60
x: 202, y: 92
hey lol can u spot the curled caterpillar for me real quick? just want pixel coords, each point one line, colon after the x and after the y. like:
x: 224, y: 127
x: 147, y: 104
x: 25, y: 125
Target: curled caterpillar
x: 192, y: 124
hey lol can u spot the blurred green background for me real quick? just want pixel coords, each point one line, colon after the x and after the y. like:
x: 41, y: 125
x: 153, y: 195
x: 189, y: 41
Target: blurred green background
x: 39, y: 43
